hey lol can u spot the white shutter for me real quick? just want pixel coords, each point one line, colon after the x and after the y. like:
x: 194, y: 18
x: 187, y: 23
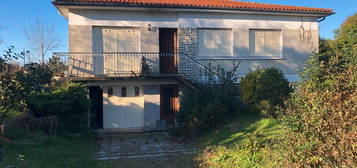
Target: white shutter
x: 209, y: 39
x: 109, y: 40
x: 128, y: 40
x: 109, y: 45
x: 121, y: 40
x: 215, y: 42
x: 259, y: 43
x: 265, y: 43
x: 272, y: 43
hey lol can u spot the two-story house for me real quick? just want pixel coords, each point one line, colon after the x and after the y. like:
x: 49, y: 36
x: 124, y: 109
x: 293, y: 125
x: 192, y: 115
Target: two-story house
x: 135, y: 54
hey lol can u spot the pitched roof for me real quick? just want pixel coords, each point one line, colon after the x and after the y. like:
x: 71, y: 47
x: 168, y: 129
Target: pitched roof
x: 203, y: 4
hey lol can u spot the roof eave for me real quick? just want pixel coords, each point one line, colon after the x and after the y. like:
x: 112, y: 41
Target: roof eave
x: 216, y: 9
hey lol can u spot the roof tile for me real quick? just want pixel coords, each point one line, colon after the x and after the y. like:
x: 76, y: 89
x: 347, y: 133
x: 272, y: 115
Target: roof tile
x: 231, y: 4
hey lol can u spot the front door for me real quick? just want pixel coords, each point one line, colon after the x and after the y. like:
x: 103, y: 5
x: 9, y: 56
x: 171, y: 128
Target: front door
x: 96, y: 114
x: 169, y: 102
x: 168, y: 49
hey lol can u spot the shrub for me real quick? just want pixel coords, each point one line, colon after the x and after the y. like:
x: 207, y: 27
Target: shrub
x: 27, y: 127
x: 262, y: 90
x: 322, y: 112
x: 211, y: 105
x: 68, y: 102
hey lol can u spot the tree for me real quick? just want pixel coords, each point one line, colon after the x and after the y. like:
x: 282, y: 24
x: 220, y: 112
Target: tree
x: 17, y: 83
x: 42, y: 37
x: 56, y: 65
x: 10, y: 89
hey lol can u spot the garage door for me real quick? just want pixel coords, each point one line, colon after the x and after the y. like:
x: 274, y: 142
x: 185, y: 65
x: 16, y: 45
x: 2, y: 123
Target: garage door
x: 123, y: 107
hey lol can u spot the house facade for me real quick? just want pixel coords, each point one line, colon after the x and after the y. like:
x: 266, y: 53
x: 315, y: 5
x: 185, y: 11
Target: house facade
x: 137, y: 54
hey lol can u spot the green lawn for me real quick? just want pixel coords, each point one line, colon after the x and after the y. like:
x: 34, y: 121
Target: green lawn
x: 56, y: 152
x: 249, y: 141
x: 51, y: 152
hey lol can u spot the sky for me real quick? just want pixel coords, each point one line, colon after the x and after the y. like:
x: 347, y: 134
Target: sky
x: 16, y: 14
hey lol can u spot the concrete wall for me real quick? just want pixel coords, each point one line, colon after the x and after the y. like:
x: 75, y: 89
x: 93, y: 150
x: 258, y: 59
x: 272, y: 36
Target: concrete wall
x: 297, y: 47
x: 146, y: 108
x: 80, y: 40
x: 188, y: 19
x: 123, y: 112
x: 300, y: 35
x: 151, y: 106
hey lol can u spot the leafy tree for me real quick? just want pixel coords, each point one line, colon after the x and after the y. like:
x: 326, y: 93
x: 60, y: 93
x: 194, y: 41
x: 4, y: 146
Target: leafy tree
x: 34, y: 77
x: 17, y: 83
x: 11, y: 95
x: 56, y: 65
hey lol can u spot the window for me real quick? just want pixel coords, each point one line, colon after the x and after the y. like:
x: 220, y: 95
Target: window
x: 123, y: 92
x: 137, y: 91
x: 121, y: 40
x: 265, y: 43
x: 110, y: 92
x: 215, y: 42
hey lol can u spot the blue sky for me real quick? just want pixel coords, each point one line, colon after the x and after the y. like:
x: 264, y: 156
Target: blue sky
x: 15, y: 14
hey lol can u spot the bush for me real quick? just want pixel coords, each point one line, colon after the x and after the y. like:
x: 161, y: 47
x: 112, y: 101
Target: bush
x: 68, y: 102
x: 210, y: 106
x: 322, y: 112
x: 262, y: 90
x: 27, y: 127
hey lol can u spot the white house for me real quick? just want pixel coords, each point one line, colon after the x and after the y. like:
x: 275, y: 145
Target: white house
x: 135, y: 54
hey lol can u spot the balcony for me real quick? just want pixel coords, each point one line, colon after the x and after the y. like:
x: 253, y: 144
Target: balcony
x: 93, y: 66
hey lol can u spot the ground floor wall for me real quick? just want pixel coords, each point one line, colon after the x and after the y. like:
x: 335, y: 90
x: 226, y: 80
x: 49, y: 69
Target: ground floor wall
x: 132, y: 104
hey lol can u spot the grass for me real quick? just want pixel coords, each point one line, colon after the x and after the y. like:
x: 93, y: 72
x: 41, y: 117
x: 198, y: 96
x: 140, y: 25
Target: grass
x: 51, y: 152
x: 249, y: 141
x: 57, y: 152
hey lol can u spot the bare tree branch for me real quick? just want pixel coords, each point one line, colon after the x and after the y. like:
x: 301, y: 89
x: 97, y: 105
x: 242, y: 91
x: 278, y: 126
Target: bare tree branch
x: 42, y: 37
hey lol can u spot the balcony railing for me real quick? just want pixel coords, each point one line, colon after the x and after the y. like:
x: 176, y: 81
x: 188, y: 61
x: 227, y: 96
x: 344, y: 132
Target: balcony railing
x: 87, y: 64
x: 131, y: 64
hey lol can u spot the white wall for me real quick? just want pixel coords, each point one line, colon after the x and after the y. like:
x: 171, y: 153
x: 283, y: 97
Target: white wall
x: 188, y: 19
x: 123, y: 112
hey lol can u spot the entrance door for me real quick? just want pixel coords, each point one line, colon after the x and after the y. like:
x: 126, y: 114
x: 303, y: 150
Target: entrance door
x: 168, y: 49
x: 96, y: 114
x: 169, y: 102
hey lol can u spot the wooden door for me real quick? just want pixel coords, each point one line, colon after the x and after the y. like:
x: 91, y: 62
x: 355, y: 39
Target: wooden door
x: 169, y: 102
x: 168, y: 50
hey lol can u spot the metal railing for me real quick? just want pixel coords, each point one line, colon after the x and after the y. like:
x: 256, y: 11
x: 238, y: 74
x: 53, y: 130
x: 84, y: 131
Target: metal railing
x: 82, y: 65
x: 115, y: 64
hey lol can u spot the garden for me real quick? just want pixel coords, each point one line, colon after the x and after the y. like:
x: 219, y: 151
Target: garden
x: 265, y: 121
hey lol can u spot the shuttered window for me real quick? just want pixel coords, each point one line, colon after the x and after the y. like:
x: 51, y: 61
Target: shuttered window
x: 265, y: 43
x: 121, y: 40
x: 215, y: 42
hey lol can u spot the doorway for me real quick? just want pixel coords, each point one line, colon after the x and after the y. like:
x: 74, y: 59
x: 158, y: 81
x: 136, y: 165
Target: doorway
x: 169, y: 102
x: 168, y: 50
x: 96, y: 113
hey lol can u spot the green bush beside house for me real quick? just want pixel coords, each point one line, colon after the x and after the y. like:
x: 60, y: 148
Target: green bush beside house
x: 264, y: 89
